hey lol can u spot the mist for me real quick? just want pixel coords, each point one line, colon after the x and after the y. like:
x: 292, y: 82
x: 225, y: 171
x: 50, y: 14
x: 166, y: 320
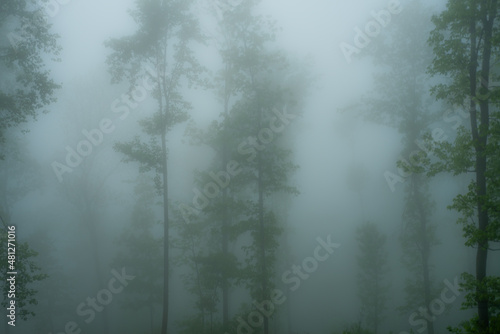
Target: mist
x: 239, y: 167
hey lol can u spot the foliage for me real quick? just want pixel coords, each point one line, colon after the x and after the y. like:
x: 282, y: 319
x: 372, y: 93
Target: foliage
x: 471, y: 326
x: 54, y: 293
x: 28, y: 274
x: 401, y: 100
x: 26, y: 83
x: 253, y: 94
x: 159, y: 51
x: 465, y: 46
x: 19, y: 176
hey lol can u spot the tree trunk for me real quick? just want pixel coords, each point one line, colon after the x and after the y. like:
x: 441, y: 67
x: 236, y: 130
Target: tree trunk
x: 164, y: 119
x: 480, y: 140
x: 426, y: 278
x: 225, y: 251
x: 100, y: 283
x: 225, y: 218
x: 151, y: 322
x: 262, y: 232
x: 164, y: 325
x: 425, y: 249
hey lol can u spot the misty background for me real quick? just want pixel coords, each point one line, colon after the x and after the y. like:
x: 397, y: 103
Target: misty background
x: 342, y: 157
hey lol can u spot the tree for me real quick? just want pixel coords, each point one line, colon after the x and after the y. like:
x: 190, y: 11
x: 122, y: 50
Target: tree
x: 19, y: 176
x: 465, y: 43
x: 260, y: 116
x: 160, y: 54
x: 210, y: 268
x: 28, y: 273
x: 235, y: 28
x: 27, y: 86
x: 54, y: 294
x: 208, y: 238
x: 266, y: 166
x: 401, y: 100
x: 372, y: 263
x: 249, y: 136
x: 229, y: 84
x: 141, y: 251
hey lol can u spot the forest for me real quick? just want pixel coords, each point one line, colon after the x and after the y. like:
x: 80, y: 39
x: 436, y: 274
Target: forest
x: 250, y: 166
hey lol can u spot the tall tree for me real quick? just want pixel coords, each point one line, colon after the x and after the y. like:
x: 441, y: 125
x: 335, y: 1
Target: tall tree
x: 401, y: 100
x: 218, y: 222
x: 159, y: 53
x: 266, y: 163
x: 465, y: 42
x: 26, y: 88
x: 372, y: 285
x: 19, y: 176
x: 251, y: 90
x: 228, y: 85
x: 26, y: 83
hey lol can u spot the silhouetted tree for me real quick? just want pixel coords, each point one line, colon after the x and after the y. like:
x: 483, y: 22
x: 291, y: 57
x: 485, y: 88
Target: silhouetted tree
x: 26, y: 83
x: 401, y: 100
x: 158, y: 56
x: 465, y: 42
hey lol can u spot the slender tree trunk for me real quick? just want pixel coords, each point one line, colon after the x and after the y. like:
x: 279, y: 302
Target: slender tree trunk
x: 100, y: 283
x: 377, y: 299
x: 51, y: 312
x: 198, y: 284
x: 482, y: 249
x: 289, y: 312
x: 481, y: 166
x: 426, y: 275
x: 225, y: 218
x: 164, y: 112
x: 427, y: 282
x: 151, y: 317
x: 225, y: 251
x: 262, y: 232
x: 425, y: 247
x: 418, y: 197
x: 164, y: 325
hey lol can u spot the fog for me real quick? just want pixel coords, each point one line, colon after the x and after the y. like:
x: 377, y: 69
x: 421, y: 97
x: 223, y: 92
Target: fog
x: 279, y: 187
